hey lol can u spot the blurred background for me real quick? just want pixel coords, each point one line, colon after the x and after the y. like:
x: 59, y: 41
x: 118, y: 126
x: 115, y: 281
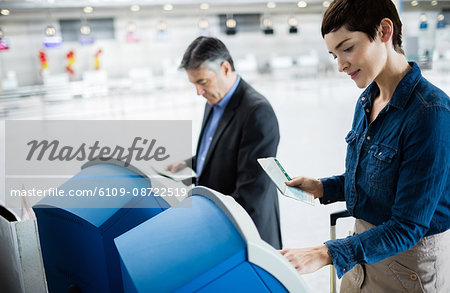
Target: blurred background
x: 113, y: 60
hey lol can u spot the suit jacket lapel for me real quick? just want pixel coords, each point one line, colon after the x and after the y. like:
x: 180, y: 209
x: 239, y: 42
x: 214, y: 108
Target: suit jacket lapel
x: 225, y: 119
x: 208, y: 112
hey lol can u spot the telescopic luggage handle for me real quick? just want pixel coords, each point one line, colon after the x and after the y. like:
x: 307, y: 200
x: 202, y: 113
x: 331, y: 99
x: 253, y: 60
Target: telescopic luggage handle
x: 333, y: 219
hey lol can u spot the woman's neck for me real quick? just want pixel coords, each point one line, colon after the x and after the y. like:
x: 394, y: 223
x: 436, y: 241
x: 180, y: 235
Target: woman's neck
x: 395, y: 69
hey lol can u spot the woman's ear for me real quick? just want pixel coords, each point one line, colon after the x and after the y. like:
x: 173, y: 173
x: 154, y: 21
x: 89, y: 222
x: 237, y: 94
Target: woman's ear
x: 386, y: 29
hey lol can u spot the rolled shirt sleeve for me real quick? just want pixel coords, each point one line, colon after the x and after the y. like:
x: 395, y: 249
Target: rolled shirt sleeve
x: 333, y: 189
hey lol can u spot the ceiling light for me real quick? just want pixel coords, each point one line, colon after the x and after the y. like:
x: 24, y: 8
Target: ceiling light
x: 204, y: 6
x: 271, y: 5
x: 203, y: 24
x: 168, y: 7
x: 162, y: 26
x: 441, y: 22
x: 50, y: 31
x: 423, y: 17
x: 135, y: 8
x: 326, y: 4
x: 85, y: 30
x: 88, y: 9
x: 231, y: 23
x: 131, y: 27
x: 434, y: 3
x: 267, y: 26
x: 267, y: 22
x: 302, y: 4
x: 231, y: 26
x: 414, y: 3
x: 4, y: 12
x: 292, y: 21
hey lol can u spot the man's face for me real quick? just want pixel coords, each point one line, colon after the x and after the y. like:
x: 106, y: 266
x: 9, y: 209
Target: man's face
x: 212, y: 85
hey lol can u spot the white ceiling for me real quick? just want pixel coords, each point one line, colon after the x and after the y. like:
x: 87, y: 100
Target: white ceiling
x: 80, y: 3
x: 28, y: 8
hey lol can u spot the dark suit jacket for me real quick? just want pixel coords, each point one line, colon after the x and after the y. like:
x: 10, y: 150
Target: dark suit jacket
x: 247, y: 130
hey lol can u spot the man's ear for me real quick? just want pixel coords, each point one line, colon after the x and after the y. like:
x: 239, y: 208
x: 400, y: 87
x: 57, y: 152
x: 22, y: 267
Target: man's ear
x: 386, y: 30
x: 225, y: 67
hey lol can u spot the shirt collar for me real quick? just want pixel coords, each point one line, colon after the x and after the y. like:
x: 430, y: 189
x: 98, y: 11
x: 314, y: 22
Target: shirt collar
x: 224, y: 102
x: 402, y: 92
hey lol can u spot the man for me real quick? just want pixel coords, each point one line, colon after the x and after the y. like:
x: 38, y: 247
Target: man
x: 239, y: 126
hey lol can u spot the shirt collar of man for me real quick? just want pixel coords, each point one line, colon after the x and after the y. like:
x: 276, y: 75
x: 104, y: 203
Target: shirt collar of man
x: 224, y: 102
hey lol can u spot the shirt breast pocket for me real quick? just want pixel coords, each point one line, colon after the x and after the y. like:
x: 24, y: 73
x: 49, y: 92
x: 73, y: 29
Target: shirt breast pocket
x: 381, y: 170
x: 350, y: 159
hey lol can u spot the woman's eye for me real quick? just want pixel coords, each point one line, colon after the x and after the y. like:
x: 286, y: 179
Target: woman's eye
x: 349, y: 49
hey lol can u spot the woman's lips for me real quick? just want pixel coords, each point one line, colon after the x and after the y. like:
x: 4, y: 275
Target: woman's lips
x: 354, y: 74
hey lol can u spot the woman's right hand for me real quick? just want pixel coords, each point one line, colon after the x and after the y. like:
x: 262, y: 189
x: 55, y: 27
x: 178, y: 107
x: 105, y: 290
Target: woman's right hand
x: 311, y: 185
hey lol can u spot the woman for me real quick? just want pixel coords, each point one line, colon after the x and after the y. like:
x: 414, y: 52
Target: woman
x: 396, y: 182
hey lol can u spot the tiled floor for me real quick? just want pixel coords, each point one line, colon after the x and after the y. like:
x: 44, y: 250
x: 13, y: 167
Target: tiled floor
x: 314, y: 116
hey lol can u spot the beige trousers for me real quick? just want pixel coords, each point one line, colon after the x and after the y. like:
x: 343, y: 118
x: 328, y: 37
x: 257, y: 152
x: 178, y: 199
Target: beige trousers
x: 423, y: 268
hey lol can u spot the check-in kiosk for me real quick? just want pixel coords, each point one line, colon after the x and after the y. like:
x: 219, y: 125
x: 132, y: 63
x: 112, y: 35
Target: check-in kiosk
x: 77, y: 232
x: 206, y: 243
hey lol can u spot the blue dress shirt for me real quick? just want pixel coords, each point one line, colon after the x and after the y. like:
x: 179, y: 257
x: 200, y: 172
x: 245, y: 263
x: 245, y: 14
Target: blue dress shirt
x: 397, y: 172
x: 211, y: 125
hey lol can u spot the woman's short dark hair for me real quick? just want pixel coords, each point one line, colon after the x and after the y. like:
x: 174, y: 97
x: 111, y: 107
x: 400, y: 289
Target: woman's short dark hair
x: 205, y: 49
x: 364, y: 16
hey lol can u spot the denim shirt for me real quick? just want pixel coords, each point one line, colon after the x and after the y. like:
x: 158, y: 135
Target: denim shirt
x: 397, y: 172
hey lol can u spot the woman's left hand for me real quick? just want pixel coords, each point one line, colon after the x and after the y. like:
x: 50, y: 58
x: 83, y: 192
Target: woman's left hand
x: 307, y: 260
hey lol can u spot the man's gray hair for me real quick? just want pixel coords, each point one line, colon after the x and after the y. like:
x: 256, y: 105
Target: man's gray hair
x: 208, y: 52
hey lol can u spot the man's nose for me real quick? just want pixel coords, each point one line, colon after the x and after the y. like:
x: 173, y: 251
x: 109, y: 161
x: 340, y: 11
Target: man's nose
x: 200, y: 90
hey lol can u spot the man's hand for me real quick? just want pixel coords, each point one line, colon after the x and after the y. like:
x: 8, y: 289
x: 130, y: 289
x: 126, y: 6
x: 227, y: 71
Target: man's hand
x: 307, y: 260
x: 176, y: 167
x: 313, y: 186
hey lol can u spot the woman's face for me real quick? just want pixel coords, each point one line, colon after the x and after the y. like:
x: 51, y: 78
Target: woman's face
x: 356, y: 55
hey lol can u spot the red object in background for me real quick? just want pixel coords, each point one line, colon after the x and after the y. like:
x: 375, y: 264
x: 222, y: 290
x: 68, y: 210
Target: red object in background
x: 3, y: 46
x: 132, y: 38
x: 97, y: 54
x: 43, y: 58
x: 97, y: 59
x: 71, y: 60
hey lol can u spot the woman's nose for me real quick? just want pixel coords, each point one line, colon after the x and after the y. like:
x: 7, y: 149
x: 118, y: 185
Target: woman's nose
x: 342, y: 65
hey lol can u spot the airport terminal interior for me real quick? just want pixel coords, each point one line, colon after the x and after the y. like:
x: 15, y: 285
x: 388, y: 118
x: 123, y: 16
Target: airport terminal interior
x: 118, y: 60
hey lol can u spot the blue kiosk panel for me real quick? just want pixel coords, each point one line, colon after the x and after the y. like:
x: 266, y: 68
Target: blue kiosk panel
x: 77, y: 233
x: 191, y: 247
x: 170, y: 250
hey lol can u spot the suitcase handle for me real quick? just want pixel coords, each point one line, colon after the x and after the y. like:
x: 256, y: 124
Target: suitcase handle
x: 337, y: 215
x: 333, y: 219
